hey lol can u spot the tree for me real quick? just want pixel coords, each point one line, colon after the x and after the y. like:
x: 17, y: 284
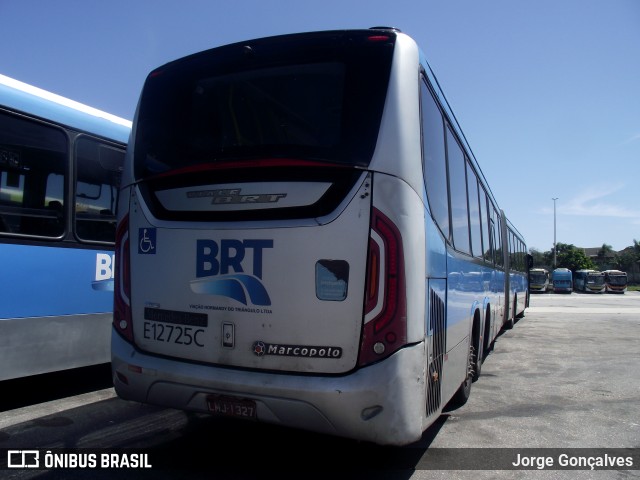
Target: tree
x: 571, y: 257
x: 540, y: 260
x: 626, y: 261
x: 607, y: 257
x: 629, y: 258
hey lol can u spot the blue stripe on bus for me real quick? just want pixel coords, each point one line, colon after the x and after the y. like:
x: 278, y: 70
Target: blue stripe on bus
x: 48, y: 281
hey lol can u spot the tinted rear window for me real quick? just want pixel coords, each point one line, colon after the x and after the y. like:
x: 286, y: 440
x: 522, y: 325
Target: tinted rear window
x: 309, y: 96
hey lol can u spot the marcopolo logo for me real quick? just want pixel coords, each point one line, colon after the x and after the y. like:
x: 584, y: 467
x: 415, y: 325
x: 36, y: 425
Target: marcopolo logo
x: 261, y: 348
x: 231, y: 268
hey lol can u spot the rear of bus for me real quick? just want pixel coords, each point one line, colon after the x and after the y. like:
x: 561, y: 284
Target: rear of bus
x: 562, y: 279
x: 260, y: 273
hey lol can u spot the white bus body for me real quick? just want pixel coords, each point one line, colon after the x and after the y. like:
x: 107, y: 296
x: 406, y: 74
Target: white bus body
x: 538, y: 280
x: 615, y: 281
x: 305, y: 284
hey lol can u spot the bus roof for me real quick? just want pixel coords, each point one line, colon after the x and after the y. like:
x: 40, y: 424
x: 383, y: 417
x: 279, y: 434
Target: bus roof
x: 26, y: 98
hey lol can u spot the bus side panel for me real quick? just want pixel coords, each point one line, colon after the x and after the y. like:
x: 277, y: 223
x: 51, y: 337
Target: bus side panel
x: 56, y: 309
x: 37, y: 281
x: 462, y: 292
x: 31, y: 346
x: 403, y: 206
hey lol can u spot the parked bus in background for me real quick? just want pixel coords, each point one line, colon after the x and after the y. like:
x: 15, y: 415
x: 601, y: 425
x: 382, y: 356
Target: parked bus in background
x: 589, y: 281
x: 305, y: 238
x: 538, y: 280
x: 615, y: 281
x: 562, y: 280
x: 60, y: 165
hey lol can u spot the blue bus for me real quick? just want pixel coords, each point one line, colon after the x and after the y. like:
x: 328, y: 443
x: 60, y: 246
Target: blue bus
x: 60, y: 167
x: 305, y: 238
x: 562, y: 280
x: 589, y: 281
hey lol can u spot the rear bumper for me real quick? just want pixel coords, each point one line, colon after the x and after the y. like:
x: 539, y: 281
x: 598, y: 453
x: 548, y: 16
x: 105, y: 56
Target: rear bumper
x: 537, y: 288
x: 383, y: 403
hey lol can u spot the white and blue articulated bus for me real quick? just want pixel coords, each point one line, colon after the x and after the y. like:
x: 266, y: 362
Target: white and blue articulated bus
x: 60, y: 166
x: 305, y: 238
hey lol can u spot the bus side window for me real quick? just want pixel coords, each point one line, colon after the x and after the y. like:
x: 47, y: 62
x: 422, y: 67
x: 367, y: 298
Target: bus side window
x: 33, y: 166
x: 458, y: 192
x: 98, y: 168
x: 434, y: 161
x: 474, y: 212
x: 487, y: 227
x: 497, y: 238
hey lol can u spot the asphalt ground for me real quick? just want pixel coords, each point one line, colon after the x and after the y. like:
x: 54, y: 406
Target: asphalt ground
x: 567, y: 376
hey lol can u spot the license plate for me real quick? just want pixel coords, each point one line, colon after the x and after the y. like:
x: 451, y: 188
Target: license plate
x: 232, y: 406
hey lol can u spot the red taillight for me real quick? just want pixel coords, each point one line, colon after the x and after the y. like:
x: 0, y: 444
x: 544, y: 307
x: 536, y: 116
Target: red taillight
x: 122, y: 286
x: 385, y: 309
x: 373, y: 277
x: 378, y: 38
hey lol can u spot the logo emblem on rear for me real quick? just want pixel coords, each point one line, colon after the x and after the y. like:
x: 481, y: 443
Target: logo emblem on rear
x: 261, y: 348
x: 233, y: 196
x: 220, y: 270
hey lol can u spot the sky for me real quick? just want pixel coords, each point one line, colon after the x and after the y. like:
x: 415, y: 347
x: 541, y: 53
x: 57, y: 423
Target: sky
x: 547, y: 91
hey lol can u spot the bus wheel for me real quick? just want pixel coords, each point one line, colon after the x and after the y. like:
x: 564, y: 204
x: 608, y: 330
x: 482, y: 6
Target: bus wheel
x: 512, y: 317
x: 462, y: 394
x: 477, y: 349
x: 488, y: 343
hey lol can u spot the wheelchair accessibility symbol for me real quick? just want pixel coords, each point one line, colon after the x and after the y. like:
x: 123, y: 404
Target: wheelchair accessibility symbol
x: 147, y: 241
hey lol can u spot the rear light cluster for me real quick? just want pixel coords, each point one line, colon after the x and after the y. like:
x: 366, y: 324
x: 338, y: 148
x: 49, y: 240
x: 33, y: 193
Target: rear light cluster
x: 385, y: 309
x: 122, y: 286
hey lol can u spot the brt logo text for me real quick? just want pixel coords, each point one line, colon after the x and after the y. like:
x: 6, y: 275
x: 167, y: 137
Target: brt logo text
x: 231, y: 268
x: 105, y: 270
x: 213, y: 259
x: 105, y: 266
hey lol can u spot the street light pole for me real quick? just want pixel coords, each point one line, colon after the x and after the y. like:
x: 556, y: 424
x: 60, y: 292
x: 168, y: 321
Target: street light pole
x: 554, y: 231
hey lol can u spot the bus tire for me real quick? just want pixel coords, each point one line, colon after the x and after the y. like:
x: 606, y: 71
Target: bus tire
x: 512, y: 315
x: 477, y: 356
x: 488, y: 343
x: 521, y: 314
